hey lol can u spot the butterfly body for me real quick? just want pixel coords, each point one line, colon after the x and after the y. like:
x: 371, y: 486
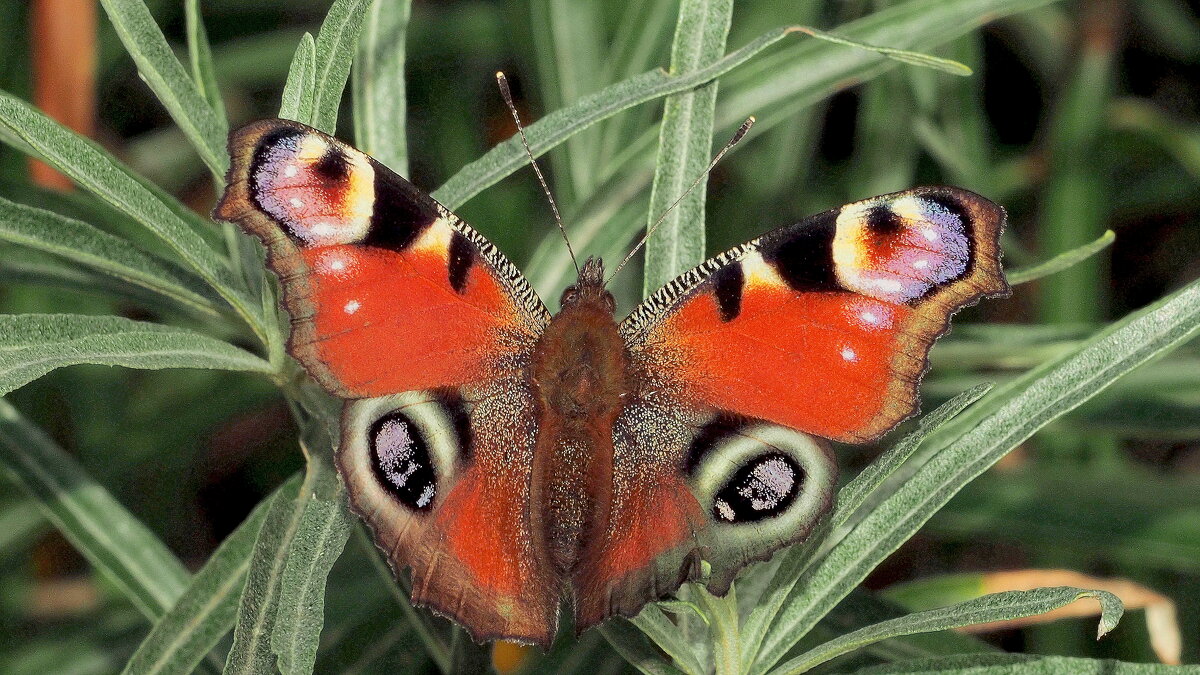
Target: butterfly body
x: 514, y: 459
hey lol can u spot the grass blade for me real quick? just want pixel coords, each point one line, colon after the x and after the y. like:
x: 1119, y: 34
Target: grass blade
x: 685, y: 145
x: 556, y: 127
x: 32, y: 345
x: 972, y: 443
x: 995, y: 607
x: 1020, y: 664
x: 286, y: 526
x: 336, y: 43
x: 298, y: 91
x: 200, y: 55
x: 1061, y: 261
x: 110, y: 537
x: 170, y: 82
x: 380, y: 118
x: 902, y: 55
x: 206, y: 610
x: 93, y: 248
x: 105, y: 177
x: 637, y: 651
x: 320, y: 538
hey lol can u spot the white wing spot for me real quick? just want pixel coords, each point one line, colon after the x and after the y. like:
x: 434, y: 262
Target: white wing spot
x: 324, y: 230
x: 849, y: 354
x: 291, y: 171
x: 337, y: 264
x: 352, y: 306
x: 921, y: 264
x: 295, y: 202
x: 930, y: 234
x: 871, y: 318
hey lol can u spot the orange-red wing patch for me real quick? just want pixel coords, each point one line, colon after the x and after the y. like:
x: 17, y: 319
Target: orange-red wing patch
x: 387, y: 290
x: 825, y: 326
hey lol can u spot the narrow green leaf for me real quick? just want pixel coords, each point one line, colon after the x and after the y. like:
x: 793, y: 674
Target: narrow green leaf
x: 200, y: 55
x: 298, y: 91
x: 206, y: 610
x: 685, y: 145
x: 973, y: 442
x: 101, y: 174
x: 112, y: 539
x: 292, y: 548
x: 86, y: 245
x: 44, y: 270
x: 32, y: 345
x: 336, y: 43
x: 995, y: 607
x: 170, y: 81
x: 561, y: 124
x: 901, y: 55
x: 637, y: 651
x: 1061, y: 261
x: 320, y: 538
x: 568, y: 47
x: 667, y: 637
x: 380, y: 122
x: 1022, y: 664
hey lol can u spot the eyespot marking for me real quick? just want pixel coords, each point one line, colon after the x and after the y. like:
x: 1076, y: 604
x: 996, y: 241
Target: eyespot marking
x: 401, y: 461
x: 761, y: 489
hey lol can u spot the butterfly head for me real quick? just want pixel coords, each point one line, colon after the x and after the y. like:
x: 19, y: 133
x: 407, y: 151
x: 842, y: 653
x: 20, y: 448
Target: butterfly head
x: 589, y: 288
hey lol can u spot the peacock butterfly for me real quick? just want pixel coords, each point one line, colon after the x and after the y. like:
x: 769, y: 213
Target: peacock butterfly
x: 513, y: 457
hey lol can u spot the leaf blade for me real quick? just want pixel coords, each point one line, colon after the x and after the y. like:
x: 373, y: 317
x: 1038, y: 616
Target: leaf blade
x: 32, y: 345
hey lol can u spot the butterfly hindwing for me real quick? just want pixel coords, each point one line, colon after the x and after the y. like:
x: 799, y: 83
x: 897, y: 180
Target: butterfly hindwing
x: 398, y: 305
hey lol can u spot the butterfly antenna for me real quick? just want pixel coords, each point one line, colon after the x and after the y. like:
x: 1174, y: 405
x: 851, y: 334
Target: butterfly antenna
x: 508, y: 100
x: 737, y: 136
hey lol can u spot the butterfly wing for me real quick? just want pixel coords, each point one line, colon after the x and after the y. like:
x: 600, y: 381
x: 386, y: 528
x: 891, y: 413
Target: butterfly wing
x: 398, y: 304
x: 819, y: 329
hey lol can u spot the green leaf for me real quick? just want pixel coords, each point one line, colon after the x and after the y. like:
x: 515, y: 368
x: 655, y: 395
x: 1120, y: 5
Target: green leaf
x: 320, y: 538
x: 666, y: 635
x: 995, y: 607
x: 902, y: 55
x: 86, y: 245
x: 112, y: 539
x: 637, y: 651
x: 301, y: 85
x: 32, y: 345
x: 101, y: 174
x: 568, y: 49
x: 200, y: 55
x: 1022, y: 664
x: 378, y: 87
x: 968, y: 445
x: 561, y: 124
x: 336, y: 43
x: 170, y: 81
x: 206, y: 610
x: 685, y: 146
x: 281, y: 609
x: 1061, y: 261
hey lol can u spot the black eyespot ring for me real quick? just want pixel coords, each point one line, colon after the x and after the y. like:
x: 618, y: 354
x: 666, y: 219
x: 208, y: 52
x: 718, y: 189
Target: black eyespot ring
x: 763, y: 488
x: 401, y: 461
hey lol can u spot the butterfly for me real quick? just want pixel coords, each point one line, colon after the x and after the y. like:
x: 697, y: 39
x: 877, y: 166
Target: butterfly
x: 515, y: 458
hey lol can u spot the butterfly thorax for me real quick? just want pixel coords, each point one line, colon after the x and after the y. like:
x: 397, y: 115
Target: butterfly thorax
x: 579, y: 376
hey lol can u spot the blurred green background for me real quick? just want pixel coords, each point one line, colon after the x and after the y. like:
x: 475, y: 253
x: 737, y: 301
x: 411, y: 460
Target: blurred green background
x: 1081, y: 117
